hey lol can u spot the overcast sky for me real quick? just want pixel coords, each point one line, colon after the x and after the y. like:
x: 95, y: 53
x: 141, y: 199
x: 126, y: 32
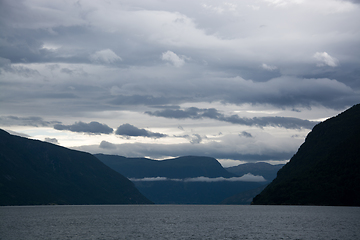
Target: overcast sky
x: 234, y: 80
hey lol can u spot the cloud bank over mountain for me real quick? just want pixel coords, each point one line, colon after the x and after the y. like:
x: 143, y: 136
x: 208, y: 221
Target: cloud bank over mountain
x: 246, y: 178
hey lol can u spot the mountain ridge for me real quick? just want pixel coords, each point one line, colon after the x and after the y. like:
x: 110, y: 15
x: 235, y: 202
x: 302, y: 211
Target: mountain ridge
x: 167, y: 181
x: 33, y: 172
x: 180, y: 167
x: 325, y: 170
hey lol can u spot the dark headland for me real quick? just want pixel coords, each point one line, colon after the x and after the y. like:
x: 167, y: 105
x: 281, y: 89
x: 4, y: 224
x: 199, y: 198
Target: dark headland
x: 326, y: 168
x: 37, y: 173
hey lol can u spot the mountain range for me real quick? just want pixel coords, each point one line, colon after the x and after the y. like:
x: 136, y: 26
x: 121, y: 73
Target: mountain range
x: 35, y: 172
x: 190, y: 179
x: 326, y: 168
x: 181, y: 167
x: 324, y: 171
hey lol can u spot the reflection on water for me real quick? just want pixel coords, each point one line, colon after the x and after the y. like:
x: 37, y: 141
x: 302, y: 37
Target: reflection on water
x: 179, y: 222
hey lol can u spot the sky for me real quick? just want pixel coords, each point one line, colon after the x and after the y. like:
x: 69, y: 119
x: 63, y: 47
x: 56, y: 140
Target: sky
x: 240, y: 81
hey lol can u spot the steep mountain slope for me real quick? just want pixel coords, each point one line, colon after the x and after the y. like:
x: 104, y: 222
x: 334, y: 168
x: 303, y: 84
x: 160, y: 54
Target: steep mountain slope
x: 326, y: 168
x: 179, y: 181
x: 35, y: 172
x: 266, y: 170
x: 181, y: 167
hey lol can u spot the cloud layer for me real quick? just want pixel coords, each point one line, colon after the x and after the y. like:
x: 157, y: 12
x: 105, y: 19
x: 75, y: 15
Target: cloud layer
x: 245, y: 79
x: 132, y: 131
x: 195, y: 113
x: 246, y: 178
x: 92, y: 127
x: 25, y: 121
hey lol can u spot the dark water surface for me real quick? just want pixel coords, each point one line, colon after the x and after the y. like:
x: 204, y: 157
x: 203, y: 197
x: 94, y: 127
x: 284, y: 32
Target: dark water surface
x: 179, y: 222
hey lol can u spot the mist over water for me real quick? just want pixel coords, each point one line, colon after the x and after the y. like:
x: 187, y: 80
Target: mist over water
x: 179, y: 222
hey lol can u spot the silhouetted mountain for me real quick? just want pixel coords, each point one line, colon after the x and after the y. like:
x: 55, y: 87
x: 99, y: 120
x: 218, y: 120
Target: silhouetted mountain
x: 168, y: 180
x: 326, y: 168
x: 35, y: 172
x: 181, y: 167
x: 266, y: 170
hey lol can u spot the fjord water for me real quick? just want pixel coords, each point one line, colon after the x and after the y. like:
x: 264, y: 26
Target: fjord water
x: 179, y: 222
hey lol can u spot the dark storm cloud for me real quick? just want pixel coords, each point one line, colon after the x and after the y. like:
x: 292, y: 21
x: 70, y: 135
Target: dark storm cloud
x: 25, y: 121
x: 196, y: 113
x: 132, y: 131
x: 92, y: 127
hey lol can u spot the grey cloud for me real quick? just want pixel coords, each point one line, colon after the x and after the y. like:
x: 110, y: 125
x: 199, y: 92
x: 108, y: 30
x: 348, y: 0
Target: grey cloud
x: 5, y: 64
x: 132, y: 131
x: 245, y: 134
x: 153, y: 179
x: 23, y: 71
x: 246, y: 178
x: 67, y: 70
x: 353, y: 1
x: 196, y: 113
x: 52, y: 140
x: 193, y: 138
x: 44, y: 46
x: 285, y: 91
x: 218, y: 150
x: 92, y: 127
x: 139, y: 100
x: 166, y: 106
x: 196, y: 139
x: 107, y: 145
x: 180, y: 114
x: 25, y: 121
x: 106, y: 56
x: 78, y: 38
